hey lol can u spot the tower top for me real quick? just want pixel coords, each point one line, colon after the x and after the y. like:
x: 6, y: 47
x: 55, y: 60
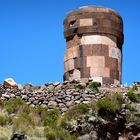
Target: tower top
x: 91, y: 9
x: 94, y: 38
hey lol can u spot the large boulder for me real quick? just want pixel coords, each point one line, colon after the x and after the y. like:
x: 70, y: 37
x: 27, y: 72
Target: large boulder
x: 10, y: 82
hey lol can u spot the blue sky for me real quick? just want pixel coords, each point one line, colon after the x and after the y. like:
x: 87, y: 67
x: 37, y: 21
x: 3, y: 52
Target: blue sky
x: 32, y: 45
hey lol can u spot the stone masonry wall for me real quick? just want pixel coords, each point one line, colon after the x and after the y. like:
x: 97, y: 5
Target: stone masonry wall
x: 94, y: 37
x: 57, y: 95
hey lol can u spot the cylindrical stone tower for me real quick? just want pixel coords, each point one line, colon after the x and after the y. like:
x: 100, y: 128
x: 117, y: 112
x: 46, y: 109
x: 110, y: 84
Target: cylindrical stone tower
x: 94, y: 38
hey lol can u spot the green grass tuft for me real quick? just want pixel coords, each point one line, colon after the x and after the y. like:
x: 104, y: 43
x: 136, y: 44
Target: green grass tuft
x: 94, y: 86
x: 107, y: 104
x: 133, y: 97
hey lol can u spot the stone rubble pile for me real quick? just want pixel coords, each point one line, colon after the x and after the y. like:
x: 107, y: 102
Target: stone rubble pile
x: 57, y: 95
x: 52, y: 95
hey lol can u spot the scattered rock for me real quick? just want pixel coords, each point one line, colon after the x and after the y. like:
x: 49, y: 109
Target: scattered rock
x: 18, y: 137
x: 52, y: 104
x: 92, y: 119
x: 6, y: 96
x: 10, y: 82
x: 12, y: 95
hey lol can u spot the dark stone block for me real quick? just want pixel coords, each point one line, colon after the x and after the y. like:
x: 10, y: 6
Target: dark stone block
x: 95, y: 49
x: 112, y: 63
x: 66, y: 76
x: 85, y: 72
x: 80, y: 62
x: 107, y: 80
x: 114, y: 74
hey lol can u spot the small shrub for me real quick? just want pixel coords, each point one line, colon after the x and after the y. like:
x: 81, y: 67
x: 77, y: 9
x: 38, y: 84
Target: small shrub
x: 77, y: 110
x: 23, y: 123
x: 133, y: 118
x: 130, y: 107
x: 1, y: 103
x: 51, y: 117
x: 133, y: 97
x: 119, y: 97
x: 64, y: 135
x: 14, y: 105
x: 5, y: 133
x: 134, y: 88
x: 94, y: 86
x: 80, y: 86
x: 49, y: 134
x: 107, y: 104
x: 63, y: 122
x: 3, y: 119
x: 58, y: 134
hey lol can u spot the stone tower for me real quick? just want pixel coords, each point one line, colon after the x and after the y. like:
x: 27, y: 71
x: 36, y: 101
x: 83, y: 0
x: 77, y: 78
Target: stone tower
x: 94, y: 38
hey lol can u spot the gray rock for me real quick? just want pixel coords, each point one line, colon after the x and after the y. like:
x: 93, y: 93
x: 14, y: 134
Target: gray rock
x: 28, y: 103
x: 50, y: 88
x: 24, y: 97
x: 123, y: 106
x: 35, y: 102
x: 138, y: 107
x: 85, y: 137
x: 67, y: 99
x: 56, y: 83
x: 61, y: 97
x: 92, y: 119
x: 87, y: 99
x: 12, y: 95
x: 61, y: 105
x: 45, y: 102
x: 86, y: 102
x: 43, y: 105
x: 31, y: 99
x: 32, y: 105
x: 68, y: 92
x: 58, y: 100
x: 43, y: 87
x: 77, y: 102
x: 20, y: 87
x: 64, y: 109
x: 68, y: 104
x: 76, y: 93
x: 94, y: 135
x: 77, y: 97
x: 6, y: 96
x: 52, y: 104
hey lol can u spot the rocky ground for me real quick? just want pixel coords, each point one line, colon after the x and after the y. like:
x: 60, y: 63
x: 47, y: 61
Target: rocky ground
x: 82, y: 111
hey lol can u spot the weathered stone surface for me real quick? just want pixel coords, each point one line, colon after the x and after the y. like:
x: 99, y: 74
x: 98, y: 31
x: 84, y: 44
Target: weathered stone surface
x: 80, y: 62
x: 93, y: 50
x: 6, y: 96
x: 52, y: 104
x: 85, y: 72
x: 95, y: 61
x: 73, y: 41
x: 10, y: 82
x: 71, y: 53
x: 86, y: 22
x: 94, y: 40
x: 97, y: 39
x: 69, y: 65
